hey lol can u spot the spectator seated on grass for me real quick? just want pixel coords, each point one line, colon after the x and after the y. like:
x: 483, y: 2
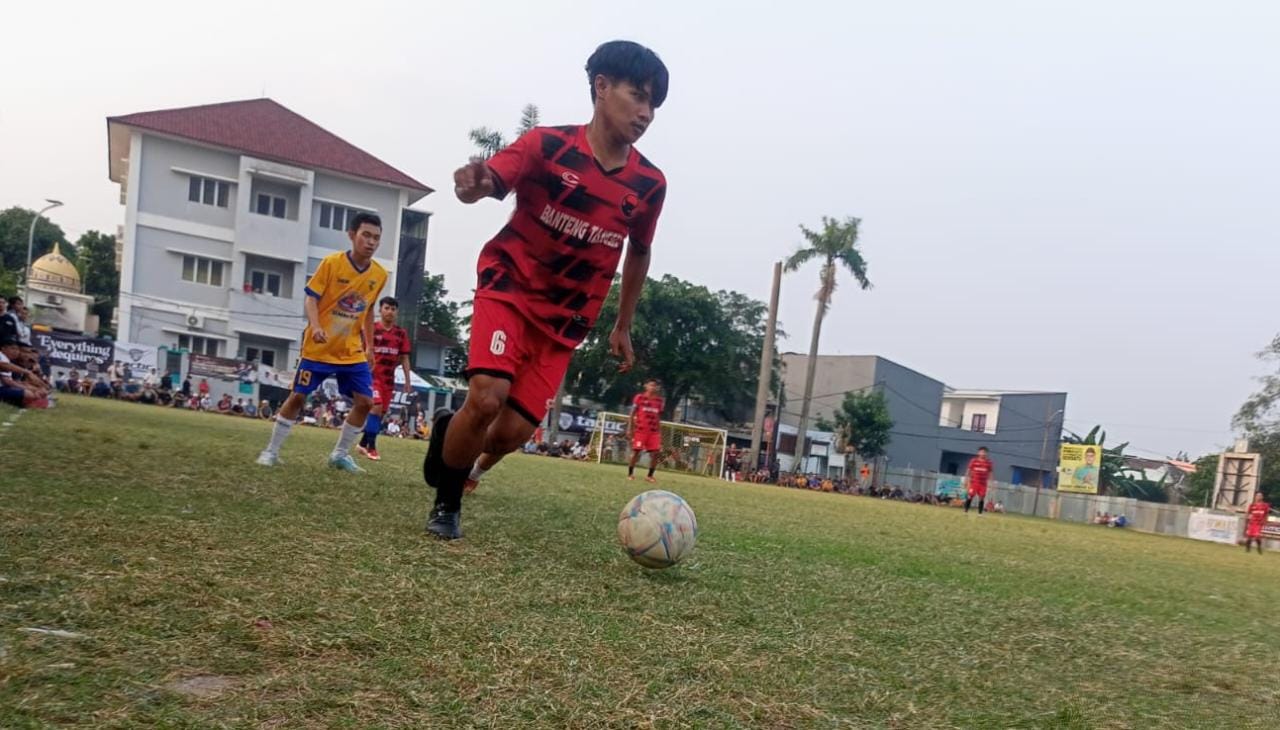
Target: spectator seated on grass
x: 238, y: 407
x: 148, y: 396
x: 19, y: 387
x: 1102, y: 518
x: 393, y: 428
x: 224, y: 404
x: 530, y: 447
x: 101, y: 388
x: 264, y: 411
x: 250, y: 410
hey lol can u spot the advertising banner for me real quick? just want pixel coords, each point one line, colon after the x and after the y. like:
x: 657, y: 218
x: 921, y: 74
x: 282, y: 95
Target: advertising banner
x: 1078, y: 468
x: 1204, y: 525
x: 208, y: 366
x: 74, y: 351
x: 139, y: 358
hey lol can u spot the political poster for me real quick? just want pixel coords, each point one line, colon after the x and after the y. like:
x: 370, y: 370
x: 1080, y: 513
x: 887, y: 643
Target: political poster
x: 1079, y: 468
x: 74, y: 351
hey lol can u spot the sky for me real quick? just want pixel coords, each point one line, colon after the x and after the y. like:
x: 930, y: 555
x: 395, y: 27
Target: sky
x: 1071, y: 196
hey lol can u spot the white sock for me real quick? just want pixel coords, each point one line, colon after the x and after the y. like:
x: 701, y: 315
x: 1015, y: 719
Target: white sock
x: 349, y: 435
x: 477, y: 472
x: 279, y: 434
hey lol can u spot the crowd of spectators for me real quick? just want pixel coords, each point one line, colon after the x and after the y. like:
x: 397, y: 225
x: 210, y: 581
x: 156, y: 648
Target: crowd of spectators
x: 24, y: 375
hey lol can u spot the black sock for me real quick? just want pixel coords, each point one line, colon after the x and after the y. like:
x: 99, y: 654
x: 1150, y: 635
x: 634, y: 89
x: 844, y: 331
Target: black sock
x: 372, y: 438
x: 967, y: 502
x: 631, y: 470
x: 981, y: 505
x: 364, y: 440
x: 652, y: 466
x: 449, y: 493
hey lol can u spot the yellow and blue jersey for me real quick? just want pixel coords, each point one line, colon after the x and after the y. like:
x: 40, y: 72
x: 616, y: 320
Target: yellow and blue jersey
x: 345, y: 295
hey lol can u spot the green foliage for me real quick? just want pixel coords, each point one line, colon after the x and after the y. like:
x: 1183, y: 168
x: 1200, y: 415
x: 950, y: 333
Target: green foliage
x: 836, y: 246
x: 438, y: 313
x: 863, y: 423
x: 490, y: 141
x: 701, y: 344
x: 96, y: 262
x: 15, y: 224
x: 1199, y: 486
x: 1259, y: 414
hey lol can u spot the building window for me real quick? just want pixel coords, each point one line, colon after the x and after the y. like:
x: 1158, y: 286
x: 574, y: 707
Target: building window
x: 336, y: 216
x: 202, y: 271
x: 264, y: 282
x: 199, y: 345
x: 206, y: 191
x: 266, y: 357
x: 271, y: 205
x: 979, y: 423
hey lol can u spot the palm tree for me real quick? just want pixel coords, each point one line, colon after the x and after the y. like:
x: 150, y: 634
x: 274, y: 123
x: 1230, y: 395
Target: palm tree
x: 836, y: 245
x: 490, y: 141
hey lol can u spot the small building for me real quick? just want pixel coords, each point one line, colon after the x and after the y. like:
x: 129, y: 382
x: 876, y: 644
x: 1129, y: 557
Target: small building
x: 936, y: 428
x: 229, y: 209
x: 55, y: 295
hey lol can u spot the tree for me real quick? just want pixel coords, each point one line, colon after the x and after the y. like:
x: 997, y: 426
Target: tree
x: 699, y: 343
x: 1199, y: 486
x: 863, y: 423
x: 439, y: 314
x: 96, y: 262
x: 1259, y: 414
x: 836, y: 245
x: 15, y: 225
x: 490, y: 141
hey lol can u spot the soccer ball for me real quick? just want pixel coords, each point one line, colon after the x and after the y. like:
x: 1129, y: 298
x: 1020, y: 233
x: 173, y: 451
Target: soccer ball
x: 657, y: 529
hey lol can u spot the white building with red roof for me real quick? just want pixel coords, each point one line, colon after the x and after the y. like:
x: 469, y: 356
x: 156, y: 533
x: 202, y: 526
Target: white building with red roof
x: 229, y: 209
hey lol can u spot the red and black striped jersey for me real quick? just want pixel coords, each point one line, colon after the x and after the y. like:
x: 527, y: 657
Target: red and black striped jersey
x: 389, y: 343
x: 980, y: 471
x: 556, y: 257
x: 648, y: 413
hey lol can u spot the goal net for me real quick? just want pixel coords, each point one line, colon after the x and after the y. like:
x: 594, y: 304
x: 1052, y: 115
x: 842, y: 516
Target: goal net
x: 686, y: 448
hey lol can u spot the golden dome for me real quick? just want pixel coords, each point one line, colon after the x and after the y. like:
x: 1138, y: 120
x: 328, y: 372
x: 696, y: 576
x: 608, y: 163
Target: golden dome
x: 55, y: 271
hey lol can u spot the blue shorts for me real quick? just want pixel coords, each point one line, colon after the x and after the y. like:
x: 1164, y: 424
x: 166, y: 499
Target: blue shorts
x: 353, y: 379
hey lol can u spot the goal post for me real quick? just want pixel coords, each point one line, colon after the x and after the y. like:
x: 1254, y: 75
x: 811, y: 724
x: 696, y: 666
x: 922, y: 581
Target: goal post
x: 685, y: 448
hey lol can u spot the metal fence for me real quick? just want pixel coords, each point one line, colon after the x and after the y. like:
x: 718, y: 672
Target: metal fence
x: 1153, y: 517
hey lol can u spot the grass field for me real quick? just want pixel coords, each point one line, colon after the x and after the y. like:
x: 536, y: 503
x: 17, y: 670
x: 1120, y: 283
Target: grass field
x: 210, y: 592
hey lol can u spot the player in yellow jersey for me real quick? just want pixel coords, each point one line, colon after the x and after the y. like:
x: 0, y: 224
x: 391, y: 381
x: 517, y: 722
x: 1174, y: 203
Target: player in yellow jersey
x: 338, y: 338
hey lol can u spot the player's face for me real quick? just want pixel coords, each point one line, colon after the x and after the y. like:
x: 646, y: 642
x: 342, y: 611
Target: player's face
x: 388, y: 313
x: 627, y: 108
x: 365, y: 240
x: 651, y: 388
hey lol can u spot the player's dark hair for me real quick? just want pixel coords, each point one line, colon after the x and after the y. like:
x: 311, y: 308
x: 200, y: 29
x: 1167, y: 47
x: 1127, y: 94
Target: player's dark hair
x: 629, y: 61
x: 362, y: 218
x: 14, y: 300
x: 983, y: 448
x: 389, y: 300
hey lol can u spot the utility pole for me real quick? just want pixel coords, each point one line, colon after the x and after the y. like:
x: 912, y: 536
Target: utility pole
x: 766, y: 368
x: 1044, y: 448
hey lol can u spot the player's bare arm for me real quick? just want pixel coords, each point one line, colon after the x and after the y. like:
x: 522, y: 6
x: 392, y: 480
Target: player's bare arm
x: 634, y: 270
x: 473, y: 181
x: 312, y: 309
x: 404, y: 365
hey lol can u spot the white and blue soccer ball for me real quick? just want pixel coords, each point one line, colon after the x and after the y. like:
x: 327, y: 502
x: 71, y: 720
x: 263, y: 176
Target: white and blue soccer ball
x: 657, y: 529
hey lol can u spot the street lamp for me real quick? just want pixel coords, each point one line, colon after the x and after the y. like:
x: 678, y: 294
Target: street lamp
x: 1044, y: 447
x: 31, y: 238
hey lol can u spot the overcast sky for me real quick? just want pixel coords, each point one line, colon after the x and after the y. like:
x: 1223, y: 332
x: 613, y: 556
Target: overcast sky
x: 1071, y: 196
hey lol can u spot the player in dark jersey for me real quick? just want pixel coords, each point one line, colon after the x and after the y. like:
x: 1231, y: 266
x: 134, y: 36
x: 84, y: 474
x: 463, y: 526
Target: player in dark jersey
x: 644, y: 429
x: 390, y: 351
x: 581, y: 192
x: 979, y: 473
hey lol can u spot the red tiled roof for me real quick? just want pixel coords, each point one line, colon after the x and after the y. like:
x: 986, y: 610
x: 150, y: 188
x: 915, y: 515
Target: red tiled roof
x: 263, y: 128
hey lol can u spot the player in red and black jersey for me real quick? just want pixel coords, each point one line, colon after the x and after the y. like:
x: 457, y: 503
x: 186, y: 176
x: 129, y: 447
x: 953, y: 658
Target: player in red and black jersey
x: 979, y: 473
x: 645, y: 428
x: 390, y: 350
x: 582, y: 192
